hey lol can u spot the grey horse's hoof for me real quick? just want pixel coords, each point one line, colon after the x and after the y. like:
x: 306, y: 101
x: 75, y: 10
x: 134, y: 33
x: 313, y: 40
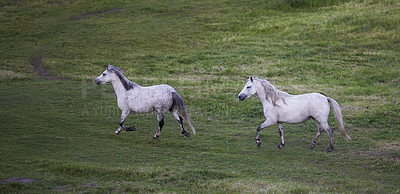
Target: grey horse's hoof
x: 280, y: 146
x: 156, y: 137
x: 258, y: 142
x: 186, y: 134
x: 131, y: 128
x: 328, y: 149
x: 116, y: 133
x: 312, y: 145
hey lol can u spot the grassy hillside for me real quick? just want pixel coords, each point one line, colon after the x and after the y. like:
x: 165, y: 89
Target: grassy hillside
x: 57, y: 125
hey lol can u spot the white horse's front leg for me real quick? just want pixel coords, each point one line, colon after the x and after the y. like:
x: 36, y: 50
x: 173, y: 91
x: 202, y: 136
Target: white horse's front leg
x: 267, y: 123
x: 124, y: 115
x: 280, y: 127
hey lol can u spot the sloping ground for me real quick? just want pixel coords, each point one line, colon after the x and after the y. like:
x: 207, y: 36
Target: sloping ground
x: 60, y: 132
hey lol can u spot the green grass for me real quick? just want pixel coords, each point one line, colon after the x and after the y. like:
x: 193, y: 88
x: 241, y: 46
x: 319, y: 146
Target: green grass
x: 61, y: 132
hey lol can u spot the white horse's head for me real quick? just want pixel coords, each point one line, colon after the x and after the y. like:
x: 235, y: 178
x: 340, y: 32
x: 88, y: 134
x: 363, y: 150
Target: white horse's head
x: 107, y: 76
x: 248, y: 90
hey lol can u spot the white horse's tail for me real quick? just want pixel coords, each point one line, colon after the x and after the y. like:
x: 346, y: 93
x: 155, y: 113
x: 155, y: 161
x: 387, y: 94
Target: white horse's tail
x: 337, y: 111
x: 182, y: 108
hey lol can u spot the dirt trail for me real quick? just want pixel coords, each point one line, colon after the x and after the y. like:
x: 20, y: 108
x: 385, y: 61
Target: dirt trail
x: 36, y: 62
x: 22, y: 180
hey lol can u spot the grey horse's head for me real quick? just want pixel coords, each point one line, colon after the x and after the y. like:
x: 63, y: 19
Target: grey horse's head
x: 248, y: 90
x: 112, y: 74
x: 107, y: 76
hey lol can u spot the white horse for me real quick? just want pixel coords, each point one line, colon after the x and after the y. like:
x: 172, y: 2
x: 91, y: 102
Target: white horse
x: 133, y: 98
x: 281, y: 107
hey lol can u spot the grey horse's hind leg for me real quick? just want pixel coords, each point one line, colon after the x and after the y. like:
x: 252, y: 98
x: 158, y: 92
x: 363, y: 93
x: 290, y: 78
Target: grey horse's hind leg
x: 160, y: 118
x: 280, y: 127
x: 187, y: 134
x: 180, y: 121
x: 124, y: 115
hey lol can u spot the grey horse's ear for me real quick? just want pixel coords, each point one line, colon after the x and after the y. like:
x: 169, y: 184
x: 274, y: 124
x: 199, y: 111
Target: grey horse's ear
x: 251, y: 78
x: 110, y: 68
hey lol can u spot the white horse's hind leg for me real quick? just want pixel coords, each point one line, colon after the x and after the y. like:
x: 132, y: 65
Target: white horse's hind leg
x: 328, y: 129
x: 124, y: 115
x: 314, y: 139
x: 280, y: 127
x: 180, y: 121
x: 330, y: 133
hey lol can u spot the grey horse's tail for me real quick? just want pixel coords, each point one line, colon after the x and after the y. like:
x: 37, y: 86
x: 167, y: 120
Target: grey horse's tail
x: 182, y: 108
x: 337, y: 111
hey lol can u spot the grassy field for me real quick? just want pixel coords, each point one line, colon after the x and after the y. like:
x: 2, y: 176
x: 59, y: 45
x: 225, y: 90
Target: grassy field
x: 57, y: 125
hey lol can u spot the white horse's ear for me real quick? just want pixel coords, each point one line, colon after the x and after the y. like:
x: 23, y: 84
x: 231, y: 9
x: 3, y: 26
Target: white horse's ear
x: 251, y: 78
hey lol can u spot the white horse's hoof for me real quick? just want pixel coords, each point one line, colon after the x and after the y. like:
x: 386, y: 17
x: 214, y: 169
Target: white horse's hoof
x: 116, y: 133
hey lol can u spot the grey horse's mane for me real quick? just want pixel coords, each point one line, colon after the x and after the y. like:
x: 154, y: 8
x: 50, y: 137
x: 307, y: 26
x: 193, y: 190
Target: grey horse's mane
x: 272, y: 94
x: 125, y: 81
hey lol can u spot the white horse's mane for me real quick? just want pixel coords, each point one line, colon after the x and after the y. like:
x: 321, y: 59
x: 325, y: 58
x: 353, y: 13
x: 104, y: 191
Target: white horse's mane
x: 272, y: 94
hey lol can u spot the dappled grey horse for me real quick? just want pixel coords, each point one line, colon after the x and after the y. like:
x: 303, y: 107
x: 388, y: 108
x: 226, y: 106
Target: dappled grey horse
x: 281, y: 107
x: 132, y: 97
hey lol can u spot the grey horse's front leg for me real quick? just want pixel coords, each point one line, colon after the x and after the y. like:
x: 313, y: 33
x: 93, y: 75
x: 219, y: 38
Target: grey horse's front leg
x: 124, y: 115
x: 280, y: 127
x: 130, y: 128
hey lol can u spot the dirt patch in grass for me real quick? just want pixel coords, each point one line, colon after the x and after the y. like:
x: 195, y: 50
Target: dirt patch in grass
x: 90, y: 185
x: 60, y: 188
x: 22, y: 180
x: 36, y: 62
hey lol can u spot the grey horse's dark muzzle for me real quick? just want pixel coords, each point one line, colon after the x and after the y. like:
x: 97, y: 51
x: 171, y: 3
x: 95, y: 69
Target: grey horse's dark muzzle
x: 97, y: 81
x: 242, y: 97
